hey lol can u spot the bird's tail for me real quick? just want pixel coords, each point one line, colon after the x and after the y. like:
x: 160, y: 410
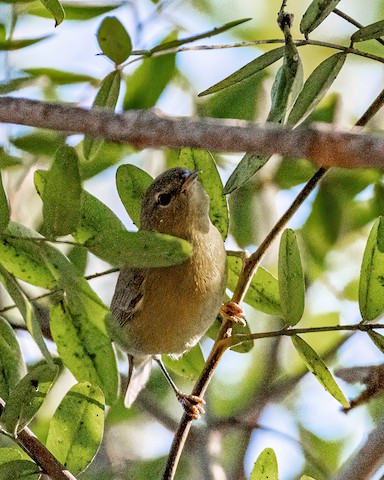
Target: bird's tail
x: 138, y: 375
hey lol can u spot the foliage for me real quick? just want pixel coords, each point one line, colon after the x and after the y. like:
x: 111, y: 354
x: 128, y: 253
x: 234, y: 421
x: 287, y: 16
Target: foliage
x: 67, y: 230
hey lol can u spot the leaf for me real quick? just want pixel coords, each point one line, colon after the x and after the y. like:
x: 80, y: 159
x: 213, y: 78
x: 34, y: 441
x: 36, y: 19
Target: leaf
x: 76, y: 429
x: 263, y: 292
x: 149, y: 80
x: 251, y: 68
x: 25, y: 259
x: 106, y: 97
x: 239, y: 330
x: 27, y: 397
x: 25, y: 308
x: 291, y: 278
x: 8, y: 160
x: 132, y: 183
x: 371, y: 286
x: 19, y: 469
x: 188, y: 366
x: 85, y: 350
x: 288, y: 83
x: 55, y: 9
x: 96, y: 217
x: 10, y: 45
x: 248, y: 166
x: 62, y: 194
x: 317, y: 11
x: 369, y: 32
x: 41, y: 142
x: 140, y: 249
x: 114, y: 41
x: 377, y: 339
x: 193, y: 38
x: 16, y: 84
x: 203, y: 162
x: 319, y: 369
x: 60, y: 77
x: 265, y: 467
x: 4, y: 207
x: 75, y: 11
x: 12, y: 366
x: 316, y: 86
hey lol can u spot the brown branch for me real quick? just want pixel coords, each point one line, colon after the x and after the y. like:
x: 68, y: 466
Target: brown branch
x: 40, y: 454
x: 325, y: 145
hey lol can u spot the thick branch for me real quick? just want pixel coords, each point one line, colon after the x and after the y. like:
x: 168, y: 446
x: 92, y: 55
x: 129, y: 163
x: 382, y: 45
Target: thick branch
x: 323, y: 144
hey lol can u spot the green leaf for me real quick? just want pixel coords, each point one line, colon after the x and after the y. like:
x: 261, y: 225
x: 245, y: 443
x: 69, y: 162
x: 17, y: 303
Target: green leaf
x: 210, y: 33
x: 62, y: 194
x: 41, y: 142
x: 293, y: 171
x: 16, y: 84
x: 149, y: 80
x: 251, y: 68
x: 9, y: 45
x: 239, y: 330
x: 371, y: 286
x: 12, y: 366
x: 96, y: 217
x: 8, y: 160
x: 55, y: 9
x: 19, y: 469
x: 291, y: 278
x: 288, y: 83
x: 75, y: 11
x: 25, y: 259
x: 78, y: 257
x: 305, y: 477
x: 132, y: 183
x: 85, y: 351
x: 377, y: 339
x: 263, y: 292
x: 4, y: 207
x: 374, y: 30
x: 8, y: 455
x: 319, y: 369
x: 203, y: 162
x: 76, y: 429
x: 60, y: 77
x: 27, y: 397
x: 249, y: 165
x: 265, y: 467
x: 24, y: 306
x: 189, y: 365
x: 140, y: 249
x: 317, y: 11
x: 316, y: 86
x: 106, y: 97
x: 114, y: 41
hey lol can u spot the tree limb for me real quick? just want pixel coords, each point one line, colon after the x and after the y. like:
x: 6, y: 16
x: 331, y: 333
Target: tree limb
x: 325, y: 145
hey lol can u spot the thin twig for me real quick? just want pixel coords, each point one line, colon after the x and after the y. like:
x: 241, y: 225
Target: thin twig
x: 353, y: 22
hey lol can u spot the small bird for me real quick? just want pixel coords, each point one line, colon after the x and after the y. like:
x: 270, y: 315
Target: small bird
x: 167, y: 310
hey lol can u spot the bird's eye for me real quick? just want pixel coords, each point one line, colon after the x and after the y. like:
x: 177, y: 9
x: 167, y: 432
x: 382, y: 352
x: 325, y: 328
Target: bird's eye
x: 164, y: 199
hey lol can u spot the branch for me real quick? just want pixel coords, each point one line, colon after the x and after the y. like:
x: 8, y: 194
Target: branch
x: 40, y: 454
x: 324, y: 144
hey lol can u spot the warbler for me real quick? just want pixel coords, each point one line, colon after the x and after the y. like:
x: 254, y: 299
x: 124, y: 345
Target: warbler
x: 167, y: 310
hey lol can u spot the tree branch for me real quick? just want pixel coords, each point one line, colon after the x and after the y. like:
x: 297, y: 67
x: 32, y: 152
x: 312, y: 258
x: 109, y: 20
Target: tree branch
x: 325, y: 145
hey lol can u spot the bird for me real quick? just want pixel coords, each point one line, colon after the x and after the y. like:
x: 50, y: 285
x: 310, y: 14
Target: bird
x: 157, y: 311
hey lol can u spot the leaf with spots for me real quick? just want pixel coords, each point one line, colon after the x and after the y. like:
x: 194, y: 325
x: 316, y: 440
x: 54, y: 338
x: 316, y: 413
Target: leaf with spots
x: 371, y: 285
x: 85, y: 350
x: 265, y: 467
x: 76, y: 429
x: 316, y: 365
x: 27, y: 397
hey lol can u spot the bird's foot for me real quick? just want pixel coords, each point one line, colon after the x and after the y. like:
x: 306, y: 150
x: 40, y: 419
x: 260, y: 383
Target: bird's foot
x: 233, y: 312
x: 192, y: 405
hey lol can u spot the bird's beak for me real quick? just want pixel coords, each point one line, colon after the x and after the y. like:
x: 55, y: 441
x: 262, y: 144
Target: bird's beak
x: 190, y: 179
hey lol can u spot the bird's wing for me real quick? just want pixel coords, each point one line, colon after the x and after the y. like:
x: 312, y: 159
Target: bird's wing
x: 128, y: 294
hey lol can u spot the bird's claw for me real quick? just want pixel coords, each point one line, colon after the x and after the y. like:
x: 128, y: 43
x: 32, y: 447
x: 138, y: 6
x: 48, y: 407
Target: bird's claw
x: 233, y: 312
x: 192, y: 405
